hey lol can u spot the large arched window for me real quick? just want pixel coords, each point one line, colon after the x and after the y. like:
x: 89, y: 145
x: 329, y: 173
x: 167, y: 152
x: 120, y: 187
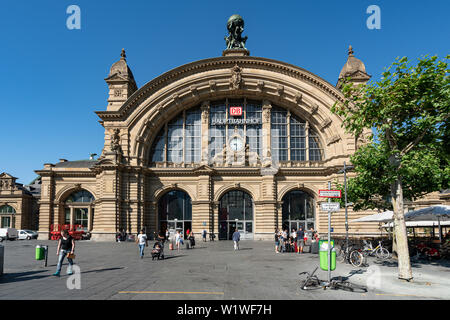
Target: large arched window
x: 79, y: 209
x: 6, y: 214
x: 180, y: 139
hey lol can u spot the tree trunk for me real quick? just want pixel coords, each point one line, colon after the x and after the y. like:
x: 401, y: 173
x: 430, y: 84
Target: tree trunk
x: 401, y: 236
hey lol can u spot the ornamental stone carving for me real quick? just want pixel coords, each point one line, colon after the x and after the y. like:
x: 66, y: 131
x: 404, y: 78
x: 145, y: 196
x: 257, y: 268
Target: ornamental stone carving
x: 115, y: 141
x: 236, y: 78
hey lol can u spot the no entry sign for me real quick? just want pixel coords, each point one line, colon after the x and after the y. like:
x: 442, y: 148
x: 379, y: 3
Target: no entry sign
x: 330, y: 193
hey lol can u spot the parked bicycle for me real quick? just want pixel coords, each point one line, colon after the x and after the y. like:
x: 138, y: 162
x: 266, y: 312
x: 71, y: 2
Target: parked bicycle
x: 312, y: 282
x: 379, y: 251
x: 351, y: 255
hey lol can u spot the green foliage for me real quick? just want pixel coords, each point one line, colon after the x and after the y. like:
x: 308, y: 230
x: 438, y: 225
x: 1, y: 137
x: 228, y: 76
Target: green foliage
x: 409, y: 107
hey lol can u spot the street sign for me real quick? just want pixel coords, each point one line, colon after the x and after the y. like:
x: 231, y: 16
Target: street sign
x: 330, y: 206
x: 330, y: 193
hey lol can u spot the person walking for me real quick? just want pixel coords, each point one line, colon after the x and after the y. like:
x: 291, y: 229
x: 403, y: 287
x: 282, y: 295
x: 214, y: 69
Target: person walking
x: 300, y: 239
x: 142, y: 243
x: 204, y: 235
x: 178, y: 240
x: 236, y: 238
x: 66, y: 247
x: 277, y: 241
x: 167, y: 235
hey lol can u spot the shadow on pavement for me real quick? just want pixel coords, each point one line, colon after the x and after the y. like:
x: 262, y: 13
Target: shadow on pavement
x: 351, y: 274
x: 22, y: 276
x: 172, y: 257
x: 101, y: 270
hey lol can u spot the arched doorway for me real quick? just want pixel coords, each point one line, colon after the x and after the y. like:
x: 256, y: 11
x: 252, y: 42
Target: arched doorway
x: 79, y: 209
x: 236, y: 212
x: 175, y: 212
x: 298, y: 210
x: 7, y: 214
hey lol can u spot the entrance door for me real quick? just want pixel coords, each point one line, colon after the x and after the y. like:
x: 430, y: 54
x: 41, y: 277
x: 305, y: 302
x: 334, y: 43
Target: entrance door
x: 236, y: 212
x: 6, y: 222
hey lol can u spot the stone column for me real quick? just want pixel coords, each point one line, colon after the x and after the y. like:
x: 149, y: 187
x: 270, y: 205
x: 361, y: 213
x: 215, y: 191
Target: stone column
x: 266, y: 143
x: 205, y: 132
x: 46, y: 202
x: 266, y: 209
x: 201, y: 209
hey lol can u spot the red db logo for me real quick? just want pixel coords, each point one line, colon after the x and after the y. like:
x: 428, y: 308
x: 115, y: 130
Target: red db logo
x: 235, y: 111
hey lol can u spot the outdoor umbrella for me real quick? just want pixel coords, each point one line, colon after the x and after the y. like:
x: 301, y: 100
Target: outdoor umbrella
x: 434, y: 213
x: 386, y: 216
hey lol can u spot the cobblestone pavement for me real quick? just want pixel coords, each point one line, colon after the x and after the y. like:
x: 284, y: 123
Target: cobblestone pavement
x: 213, y: 270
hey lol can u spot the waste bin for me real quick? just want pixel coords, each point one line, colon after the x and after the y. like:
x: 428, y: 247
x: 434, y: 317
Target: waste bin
x: 2, y: 254
x: 323, y: 255
x: 40, y: 252
x: 315, y: 247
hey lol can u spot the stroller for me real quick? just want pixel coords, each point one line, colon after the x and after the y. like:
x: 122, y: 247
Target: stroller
x: 158, y: 250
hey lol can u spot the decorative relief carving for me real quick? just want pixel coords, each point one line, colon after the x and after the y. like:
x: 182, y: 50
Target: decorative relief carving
x: 194, y: 90
x: 212, y: 85
x: 117, y: 92
x: 325, y: 123
x: 260, y: 85
x: 333, y: 139
x: 236, y: 78
x: 280, y: 90
x: 298, y: 97
x: 176, y: 98
x: 115, y: 141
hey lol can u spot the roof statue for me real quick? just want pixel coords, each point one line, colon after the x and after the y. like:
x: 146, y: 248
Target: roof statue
x: 235, y: 26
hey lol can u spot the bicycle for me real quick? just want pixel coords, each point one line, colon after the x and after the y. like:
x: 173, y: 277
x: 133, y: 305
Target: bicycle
x: 312, y: 282
x: 349, y: 254
x: 378, y: 251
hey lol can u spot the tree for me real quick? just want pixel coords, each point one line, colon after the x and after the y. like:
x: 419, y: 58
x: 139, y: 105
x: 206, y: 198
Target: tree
x: 409, y: 109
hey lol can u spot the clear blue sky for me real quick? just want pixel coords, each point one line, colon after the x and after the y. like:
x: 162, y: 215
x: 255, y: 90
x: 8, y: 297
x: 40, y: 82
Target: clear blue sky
x: 52, y: 78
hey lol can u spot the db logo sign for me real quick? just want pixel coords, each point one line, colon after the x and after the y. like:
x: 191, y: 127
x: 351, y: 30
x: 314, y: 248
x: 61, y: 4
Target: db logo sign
x: 235, y: 111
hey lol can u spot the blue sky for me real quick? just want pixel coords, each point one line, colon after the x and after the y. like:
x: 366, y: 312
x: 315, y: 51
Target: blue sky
x: 53, y: 78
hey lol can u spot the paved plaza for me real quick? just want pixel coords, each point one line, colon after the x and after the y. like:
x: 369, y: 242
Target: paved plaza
x: 213, y: 270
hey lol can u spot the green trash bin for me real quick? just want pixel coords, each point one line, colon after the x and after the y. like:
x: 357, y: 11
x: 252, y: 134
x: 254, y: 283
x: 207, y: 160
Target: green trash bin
x: 40, y: 252
x: 323, y: 255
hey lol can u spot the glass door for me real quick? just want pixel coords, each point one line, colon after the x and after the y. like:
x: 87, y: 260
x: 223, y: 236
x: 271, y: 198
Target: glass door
x: 6, y: 222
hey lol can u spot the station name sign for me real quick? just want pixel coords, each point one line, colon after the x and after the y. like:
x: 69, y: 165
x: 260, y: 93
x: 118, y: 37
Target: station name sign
x: 330, y: 193
x: 235, y: 121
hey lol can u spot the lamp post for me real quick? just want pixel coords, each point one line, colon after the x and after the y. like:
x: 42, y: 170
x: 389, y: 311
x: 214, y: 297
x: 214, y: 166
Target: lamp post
x: 345, y: 199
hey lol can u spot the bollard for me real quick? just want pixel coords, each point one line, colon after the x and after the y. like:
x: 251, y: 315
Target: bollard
x: 2, y: 254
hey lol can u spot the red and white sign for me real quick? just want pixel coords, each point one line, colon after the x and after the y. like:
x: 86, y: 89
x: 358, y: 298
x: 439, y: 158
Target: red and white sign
x: 235, y: 111
x: 330, y: 193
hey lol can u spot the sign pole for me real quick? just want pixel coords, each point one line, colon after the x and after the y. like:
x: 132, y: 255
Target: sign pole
x: 329, y: 237
x: 346, y: 216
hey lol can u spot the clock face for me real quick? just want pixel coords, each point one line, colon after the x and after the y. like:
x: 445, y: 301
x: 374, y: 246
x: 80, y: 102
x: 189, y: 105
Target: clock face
x: 236, y: 144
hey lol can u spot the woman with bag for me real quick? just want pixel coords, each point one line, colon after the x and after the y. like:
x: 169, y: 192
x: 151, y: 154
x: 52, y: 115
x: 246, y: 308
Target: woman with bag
x: 66, y: 247
x: 142, y: 242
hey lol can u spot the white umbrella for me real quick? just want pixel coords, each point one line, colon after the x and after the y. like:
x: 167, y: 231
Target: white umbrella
x: 434, y: 213
x: 386, y: 216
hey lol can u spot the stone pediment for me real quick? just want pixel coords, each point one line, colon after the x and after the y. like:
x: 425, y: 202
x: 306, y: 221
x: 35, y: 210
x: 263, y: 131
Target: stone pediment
x: 204, y: 169
x: 116, y: 77
x: 5, y: 175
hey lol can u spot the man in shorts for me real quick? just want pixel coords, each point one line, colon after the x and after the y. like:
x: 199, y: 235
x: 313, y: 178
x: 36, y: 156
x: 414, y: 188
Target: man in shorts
x: 300, y: 239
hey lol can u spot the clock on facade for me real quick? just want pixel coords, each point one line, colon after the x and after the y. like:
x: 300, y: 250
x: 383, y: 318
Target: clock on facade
x: 236, y: 143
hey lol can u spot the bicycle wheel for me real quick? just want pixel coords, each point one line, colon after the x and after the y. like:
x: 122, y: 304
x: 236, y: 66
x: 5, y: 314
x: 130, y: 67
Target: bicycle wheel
x: 340, y: 257
x: 311, y: 283
x: 356, y: 258
x: 382, y: 253
x: 348, y: 286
